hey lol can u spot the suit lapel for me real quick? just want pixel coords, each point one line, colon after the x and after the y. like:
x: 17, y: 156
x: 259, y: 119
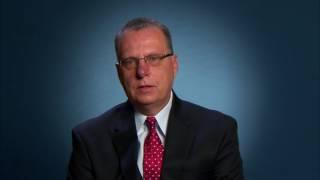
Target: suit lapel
x: 179, y: 138
x: 126, y: 143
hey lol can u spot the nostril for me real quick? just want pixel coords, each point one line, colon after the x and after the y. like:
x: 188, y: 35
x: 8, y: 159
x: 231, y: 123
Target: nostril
x: 142, y: 69
x: 141, y: 72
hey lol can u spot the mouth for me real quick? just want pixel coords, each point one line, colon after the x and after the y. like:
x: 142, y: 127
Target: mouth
x: 145, y: 88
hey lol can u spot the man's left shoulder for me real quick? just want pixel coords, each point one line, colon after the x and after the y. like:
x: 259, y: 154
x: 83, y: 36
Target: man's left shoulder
x: 202, y: 115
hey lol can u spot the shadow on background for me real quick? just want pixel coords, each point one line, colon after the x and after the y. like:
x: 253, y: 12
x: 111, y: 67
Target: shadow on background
x: 255, y: 60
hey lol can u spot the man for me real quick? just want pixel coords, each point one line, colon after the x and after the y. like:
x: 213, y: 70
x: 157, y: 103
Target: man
x: 154, y: 135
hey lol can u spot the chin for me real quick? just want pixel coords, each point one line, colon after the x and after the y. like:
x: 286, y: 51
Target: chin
x: 145, y: 100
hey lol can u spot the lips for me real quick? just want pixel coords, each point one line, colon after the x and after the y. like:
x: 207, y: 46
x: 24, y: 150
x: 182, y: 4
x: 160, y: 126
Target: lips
x: 145, y: 88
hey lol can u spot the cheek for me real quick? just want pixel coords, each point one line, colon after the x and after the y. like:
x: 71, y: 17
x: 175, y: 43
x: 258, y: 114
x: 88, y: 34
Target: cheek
x: 165, y: 79
x: 127, y: 81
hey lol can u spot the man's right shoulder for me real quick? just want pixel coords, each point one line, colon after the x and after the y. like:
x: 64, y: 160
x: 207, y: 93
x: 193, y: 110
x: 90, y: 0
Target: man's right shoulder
x: 104, y: 121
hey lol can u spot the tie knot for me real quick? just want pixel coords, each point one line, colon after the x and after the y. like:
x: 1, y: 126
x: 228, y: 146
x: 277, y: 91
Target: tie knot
x: 151, y: 122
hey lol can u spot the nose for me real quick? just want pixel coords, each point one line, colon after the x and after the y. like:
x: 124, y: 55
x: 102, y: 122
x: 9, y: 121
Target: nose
x: 142, y: 69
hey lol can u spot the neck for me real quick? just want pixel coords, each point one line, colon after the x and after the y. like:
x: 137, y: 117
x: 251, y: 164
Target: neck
x: 148, y: 110
x: 151, y: 109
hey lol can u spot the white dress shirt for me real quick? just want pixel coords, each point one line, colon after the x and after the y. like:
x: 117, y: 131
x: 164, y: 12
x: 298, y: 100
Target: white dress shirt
x: 142, y: 130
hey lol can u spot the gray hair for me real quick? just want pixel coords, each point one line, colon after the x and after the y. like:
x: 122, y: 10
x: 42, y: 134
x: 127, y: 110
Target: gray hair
x: 141, y: 23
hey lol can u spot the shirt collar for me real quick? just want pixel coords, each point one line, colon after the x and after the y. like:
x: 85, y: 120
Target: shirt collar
x: 162, y: 118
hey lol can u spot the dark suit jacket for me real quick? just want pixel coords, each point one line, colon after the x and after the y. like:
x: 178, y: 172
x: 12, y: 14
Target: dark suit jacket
x: 199, y: 144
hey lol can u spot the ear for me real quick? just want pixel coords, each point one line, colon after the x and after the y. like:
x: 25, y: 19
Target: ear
x: 175, y: 64
x: 119, y: 72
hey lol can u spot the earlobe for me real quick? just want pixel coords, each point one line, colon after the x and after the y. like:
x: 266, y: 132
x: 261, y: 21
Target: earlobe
x: 175, y: 64
x: 117, y: 68
x: 118, y: 72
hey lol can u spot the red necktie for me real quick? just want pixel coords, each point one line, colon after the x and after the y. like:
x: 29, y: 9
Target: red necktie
x: 153, y: 152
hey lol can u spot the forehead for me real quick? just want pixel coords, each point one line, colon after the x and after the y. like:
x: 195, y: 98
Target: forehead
x: 142, y: 41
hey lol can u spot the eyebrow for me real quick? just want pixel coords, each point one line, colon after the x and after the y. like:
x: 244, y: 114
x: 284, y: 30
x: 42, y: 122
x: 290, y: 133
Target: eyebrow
x: 151, y: 54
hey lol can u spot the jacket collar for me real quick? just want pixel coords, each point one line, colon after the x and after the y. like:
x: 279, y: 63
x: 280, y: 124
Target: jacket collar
x: 126, y: 143
x: 178, y: 141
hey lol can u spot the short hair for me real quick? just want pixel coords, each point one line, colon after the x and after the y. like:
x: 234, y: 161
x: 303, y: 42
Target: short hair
x: 141, y: 23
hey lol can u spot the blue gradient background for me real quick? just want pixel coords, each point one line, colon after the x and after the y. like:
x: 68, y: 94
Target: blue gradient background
x: 256, y: 60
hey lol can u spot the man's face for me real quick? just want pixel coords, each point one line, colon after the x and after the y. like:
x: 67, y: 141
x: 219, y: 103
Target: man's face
x: 146, y: 85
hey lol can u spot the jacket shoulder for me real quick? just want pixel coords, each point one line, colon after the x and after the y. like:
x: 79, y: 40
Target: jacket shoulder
x: 102, y: 122
x: 202, y: 115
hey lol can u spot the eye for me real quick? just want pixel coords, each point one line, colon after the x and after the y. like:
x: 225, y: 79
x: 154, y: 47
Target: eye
x: 152, y: 58
x: 128, y: 61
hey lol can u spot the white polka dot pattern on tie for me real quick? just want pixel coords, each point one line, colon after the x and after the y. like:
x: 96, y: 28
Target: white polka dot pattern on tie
x: 153, y: 152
